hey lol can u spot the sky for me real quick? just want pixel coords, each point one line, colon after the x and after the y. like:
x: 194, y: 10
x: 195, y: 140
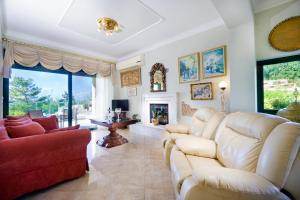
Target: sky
x: 56, y: 84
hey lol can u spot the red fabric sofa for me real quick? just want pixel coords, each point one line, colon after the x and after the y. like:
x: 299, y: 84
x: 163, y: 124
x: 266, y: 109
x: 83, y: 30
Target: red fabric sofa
x: 35, y: 162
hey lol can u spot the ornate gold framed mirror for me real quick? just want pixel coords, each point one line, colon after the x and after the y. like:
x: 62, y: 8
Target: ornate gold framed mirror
x: 158, y: 78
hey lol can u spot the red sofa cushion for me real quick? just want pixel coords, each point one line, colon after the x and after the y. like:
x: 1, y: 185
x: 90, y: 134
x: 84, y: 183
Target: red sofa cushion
x: 24, y: 130
x: 16, y: 117
x: 64, y: 129
x: 2, y: 121
x: 17, y: 122
x: 48, y: 123
x: 3, y: 133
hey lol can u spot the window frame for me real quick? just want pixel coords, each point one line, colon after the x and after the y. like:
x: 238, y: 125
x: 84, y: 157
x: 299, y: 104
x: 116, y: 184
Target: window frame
x: 40, y: 68
x: 260, y: 79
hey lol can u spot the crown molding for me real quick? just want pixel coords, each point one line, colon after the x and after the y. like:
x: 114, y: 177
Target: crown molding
x: 268, y: 6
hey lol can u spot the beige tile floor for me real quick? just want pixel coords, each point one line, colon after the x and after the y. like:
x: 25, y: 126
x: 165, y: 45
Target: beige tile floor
x: 134, y: 171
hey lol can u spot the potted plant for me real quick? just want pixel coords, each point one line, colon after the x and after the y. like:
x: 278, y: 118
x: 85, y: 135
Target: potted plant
x: 155, y: 117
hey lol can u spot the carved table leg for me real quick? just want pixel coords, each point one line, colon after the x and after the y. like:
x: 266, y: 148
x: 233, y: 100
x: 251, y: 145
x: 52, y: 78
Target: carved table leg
x: 113, y: 139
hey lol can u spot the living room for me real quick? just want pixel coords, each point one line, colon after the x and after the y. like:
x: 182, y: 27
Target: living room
x: 143, y: 99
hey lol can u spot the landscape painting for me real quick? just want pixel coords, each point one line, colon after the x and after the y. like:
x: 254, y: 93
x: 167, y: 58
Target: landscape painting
x: 188, y: 67
x: 201, y: 91
x: 214, y: 62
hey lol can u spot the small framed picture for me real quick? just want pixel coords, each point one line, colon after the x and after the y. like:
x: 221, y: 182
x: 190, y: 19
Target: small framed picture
x: 189, y: 68
x: 201, y: 91
x: 131, y: 91
x: 214, y: 62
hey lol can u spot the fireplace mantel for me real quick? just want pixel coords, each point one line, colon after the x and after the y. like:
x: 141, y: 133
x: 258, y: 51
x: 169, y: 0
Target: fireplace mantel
x: 160, y: 98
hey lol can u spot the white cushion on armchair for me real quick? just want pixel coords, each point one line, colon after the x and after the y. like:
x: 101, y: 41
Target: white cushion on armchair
x: 197, y: 146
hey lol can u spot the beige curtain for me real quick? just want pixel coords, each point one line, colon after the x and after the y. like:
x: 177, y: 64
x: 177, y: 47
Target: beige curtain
x: 30, y: 56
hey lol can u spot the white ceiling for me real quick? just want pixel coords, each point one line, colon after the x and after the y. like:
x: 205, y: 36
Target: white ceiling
x: 71, y: 24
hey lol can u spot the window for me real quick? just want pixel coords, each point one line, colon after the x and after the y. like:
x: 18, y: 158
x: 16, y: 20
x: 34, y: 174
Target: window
x: 49, y: 92
x: 276, y: 82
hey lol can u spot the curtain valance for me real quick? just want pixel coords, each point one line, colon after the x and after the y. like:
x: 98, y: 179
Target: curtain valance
x: 30, y: 56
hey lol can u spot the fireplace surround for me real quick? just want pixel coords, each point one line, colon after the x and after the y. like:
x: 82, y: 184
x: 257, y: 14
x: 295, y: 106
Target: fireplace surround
x: 161, y: 100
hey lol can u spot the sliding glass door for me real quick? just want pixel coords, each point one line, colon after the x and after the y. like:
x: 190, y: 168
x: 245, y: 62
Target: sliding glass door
x: 42, y: 92
x: 82, y: 100
x: 32, y: 90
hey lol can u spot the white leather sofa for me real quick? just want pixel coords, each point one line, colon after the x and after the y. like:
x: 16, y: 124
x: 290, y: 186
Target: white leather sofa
x: 253, y: 157
x: 204, y: 124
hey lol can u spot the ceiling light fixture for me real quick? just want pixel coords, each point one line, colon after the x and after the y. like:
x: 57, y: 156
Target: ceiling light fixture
x: 108, y: 25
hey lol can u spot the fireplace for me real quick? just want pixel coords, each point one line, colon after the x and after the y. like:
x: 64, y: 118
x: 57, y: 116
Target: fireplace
x: 162, y: 112
x: 166, y: 103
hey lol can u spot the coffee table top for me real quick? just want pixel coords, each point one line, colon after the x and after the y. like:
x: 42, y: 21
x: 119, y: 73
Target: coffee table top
x: 114, y: 123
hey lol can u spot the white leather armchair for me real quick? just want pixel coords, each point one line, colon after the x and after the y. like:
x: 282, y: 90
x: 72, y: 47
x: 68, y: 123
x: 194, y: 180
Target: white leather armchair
x: 254, y: 156
x: 204, y: 125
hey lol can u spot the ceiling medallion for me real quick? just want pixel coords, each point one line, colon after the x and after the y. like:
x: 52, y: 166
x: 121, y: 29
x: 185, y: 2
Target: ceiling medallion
x: 108, y: 26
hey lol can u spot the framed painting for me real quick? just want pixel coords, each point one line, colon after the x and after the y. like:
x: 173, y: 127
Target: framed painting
x: 131, y: 92
x: 202, y: 91
x: 188, y: 68
x: 214, y: 62
x: 130, y: 77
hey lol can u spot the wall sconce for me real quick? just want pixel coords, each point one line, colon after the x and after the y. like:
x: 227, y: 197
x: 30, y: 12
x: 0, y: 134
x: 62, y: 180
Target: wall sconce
x: 223, y: 86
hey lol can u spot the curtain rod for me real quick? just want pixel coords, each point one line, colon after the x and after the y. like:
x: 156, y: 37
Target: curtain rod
x: 62, y: 51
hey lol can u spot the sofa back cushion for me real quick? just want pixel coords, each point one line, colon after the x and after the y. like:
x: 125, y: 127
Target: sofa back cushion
x: 16, y: 117
x: 241, y: 136
x: 3, y: 133
x: 64, y: 129
x: 48, y: 123
x: 2, y: 122
x: 17, y: 122
x: 279, y: 157
x: 212, y: 125
x: 25, y: 130
x: 200, y: 119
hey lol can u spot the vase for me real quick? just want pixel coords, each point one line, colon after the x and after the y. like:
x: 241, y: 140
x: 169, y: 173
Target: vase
x: 155, y: 121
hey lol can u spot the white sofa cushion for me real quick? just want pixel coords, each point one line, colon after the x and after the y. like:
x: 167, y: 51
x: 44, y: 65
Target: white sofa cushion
x: 197, y: 146
x: 177, y: 128
x: 241, y: 136
x: 217, y: 183
x: 279, y: 153
x: 182, y: 166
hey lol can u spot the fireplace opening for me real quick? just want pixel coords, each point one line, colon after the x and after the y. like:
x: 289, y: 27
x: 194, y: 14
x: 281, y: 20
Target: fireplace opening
x: 161, y: 112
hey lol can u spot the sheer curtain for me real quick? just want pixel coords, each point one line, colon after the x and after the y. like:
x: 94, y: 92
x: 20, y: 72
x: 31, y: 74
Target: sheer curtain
x: 103, y: 94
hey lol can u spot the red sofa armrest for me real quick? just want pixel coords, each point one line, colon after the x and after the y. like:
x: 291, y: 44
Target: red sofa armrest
x: 26, y: 153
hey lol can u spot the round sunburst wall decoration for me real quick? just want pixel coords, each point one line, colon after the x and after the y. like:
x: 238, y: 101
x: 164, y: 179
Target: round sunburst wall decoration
x: 285, y: 36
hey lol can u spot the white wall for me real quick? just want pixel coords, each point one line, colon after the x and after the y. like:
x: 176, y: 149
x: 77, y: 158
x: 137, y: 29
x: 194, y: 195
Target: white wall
x: 243, y: 68
x: 168, y: 55
x: 264, y: 23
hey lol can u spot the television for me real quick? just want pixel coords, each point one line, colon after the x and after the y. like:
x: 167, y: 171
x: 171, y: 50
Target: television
x: 120, y: 103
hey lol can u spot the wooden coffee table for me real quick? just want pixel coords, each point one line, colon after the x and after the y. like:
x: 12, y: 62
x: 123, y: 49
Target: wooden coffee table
x: 113, y: 138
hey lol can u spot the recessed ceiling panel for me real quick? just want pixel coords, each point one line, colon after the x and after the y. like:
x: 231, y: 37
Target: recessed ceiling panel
x: 133, y: 15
